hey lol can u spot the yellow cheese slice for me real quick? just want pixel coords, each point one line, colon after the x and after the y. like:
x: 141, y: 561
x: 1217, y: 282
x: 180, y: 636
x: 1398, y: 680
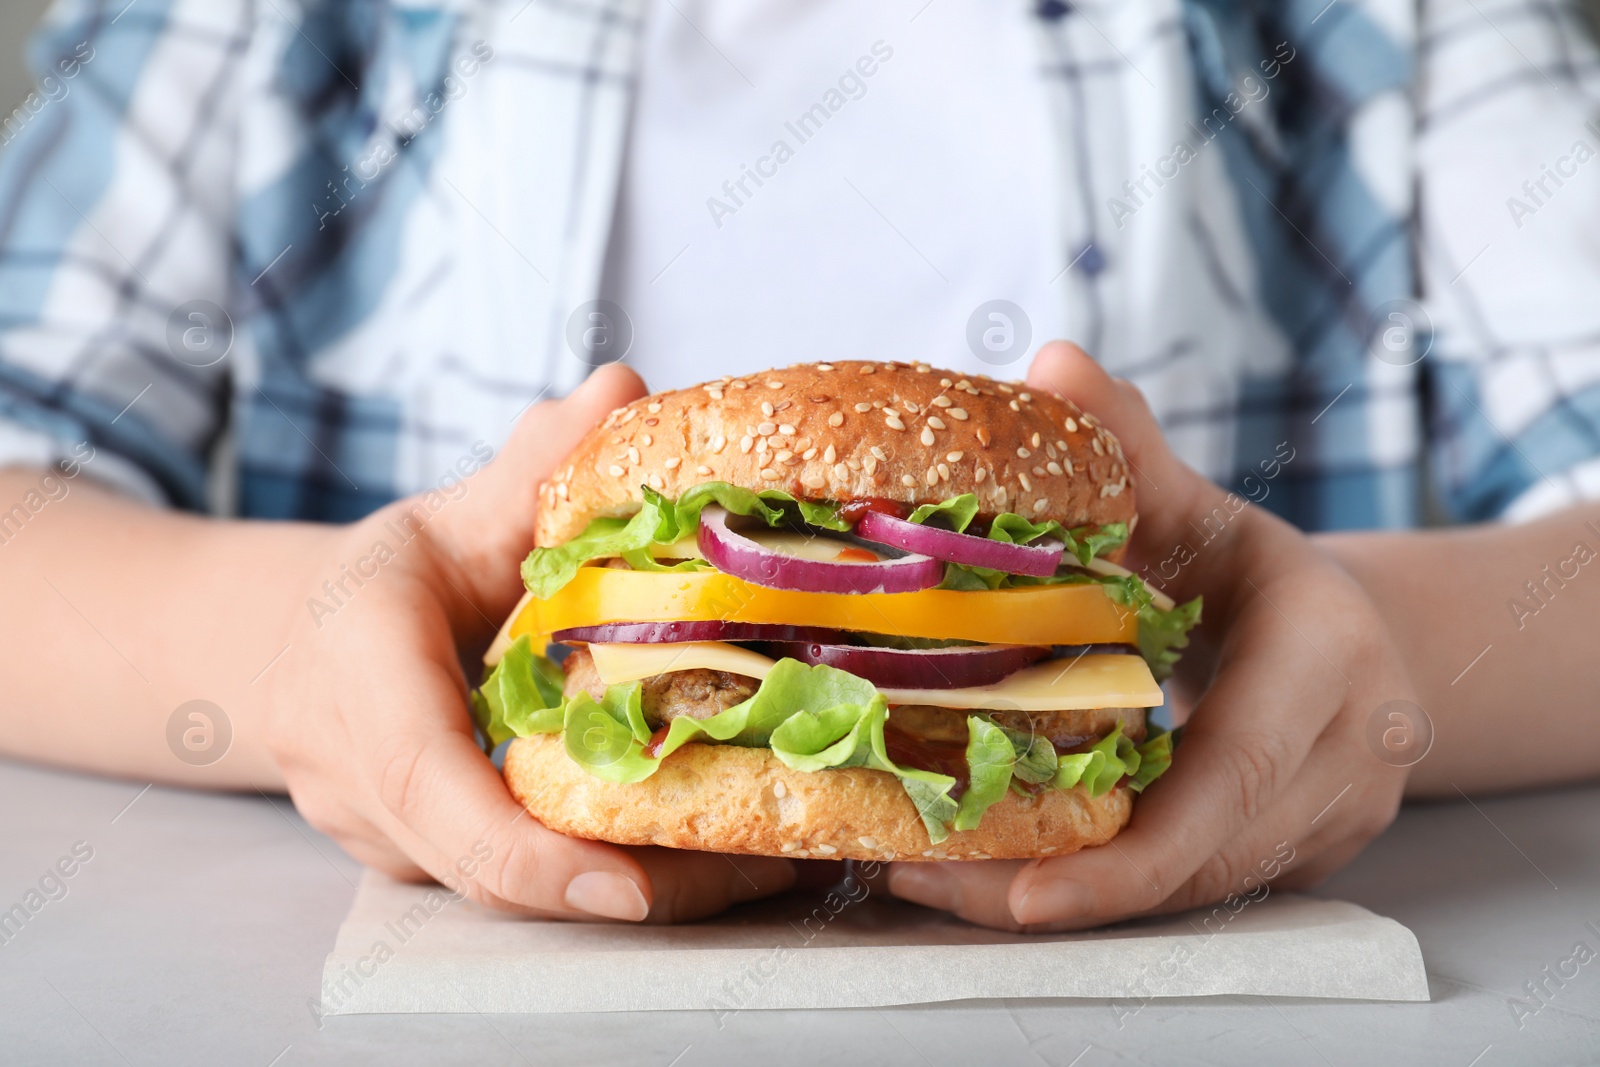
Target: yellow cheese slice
x: 1101, y: 680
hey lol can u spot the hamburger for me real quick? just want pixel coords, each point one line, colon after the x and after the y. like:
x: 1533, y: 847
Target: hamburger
x: 848, y: 610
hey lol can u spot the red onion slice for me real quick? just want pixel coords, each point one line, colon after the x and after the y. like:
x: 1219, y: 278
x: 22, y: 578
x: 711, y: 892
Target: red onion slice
x: 933, y: 668
x: 1040, y: 560
x: 653, y: 633
x: 735, y: 554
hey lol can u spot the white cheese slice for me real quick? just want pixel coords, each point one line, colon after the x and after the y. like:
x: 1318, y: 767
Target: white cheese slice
x: 617, y: 663
x: 1102, y: 680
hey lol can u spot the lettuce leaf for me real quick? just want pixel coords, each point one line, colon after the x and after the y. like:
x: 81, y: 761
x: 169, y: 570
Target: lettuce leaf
x: 812, y: 718
x: 660, y: 522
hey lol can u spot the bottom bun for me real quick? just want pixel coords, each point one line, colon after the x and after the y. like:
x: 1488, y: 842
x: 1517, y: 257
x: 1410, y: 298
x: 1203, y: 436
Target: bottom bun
x: 726, y: 798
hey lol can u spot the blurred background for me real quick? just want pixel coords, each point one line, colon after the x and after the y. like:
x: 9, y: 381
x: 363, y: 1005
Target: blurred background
x: 17, y: 18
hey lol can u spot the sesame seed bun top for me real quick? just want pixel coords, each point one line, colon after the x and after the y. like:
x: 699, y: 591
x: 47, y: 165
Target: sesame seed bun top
x: 846, y: 430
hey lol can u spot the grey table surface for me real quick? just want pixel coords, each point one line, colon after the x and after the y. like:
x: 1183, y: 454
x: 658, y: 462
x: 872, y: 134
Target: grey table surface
x: 196, y: 929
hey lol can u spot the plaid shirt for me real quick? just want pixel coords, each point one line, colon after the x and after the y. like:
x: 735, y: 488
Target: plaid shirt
x: 293, y: 260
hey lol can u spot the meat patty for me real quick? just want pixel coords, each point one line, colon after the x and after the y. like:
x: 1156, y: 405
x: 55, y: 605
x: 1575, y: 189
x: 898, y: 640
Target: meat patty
x: 698, y: 694
x: 1065, y: 729
x: 701, y: 693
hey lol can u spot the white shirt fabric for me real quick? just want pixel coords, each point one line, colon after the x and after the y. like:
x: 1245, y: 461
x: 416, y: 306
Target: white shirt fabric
x: 914, y: 193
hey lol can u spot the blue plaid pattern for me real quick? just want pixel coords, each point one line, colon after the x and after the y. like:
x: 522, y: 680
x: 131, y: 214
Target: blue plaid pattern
x: 398, y: 269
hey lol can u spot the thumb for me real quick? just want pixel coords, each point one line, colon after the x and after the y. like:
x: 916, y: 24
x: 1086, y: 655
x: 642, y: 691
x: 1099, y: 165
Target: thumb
x: 1170, y: 493
x: 490, y: 529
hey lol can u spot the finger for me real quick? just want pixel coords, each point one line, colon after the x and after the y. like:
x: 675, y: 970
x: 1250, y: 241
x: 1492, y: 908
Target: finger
x: 974, y: 890
x: 1161, y: 479
x: 1237, y: 755
x: 490, y: 527
x: 438, y: 789
x: 693, y: 885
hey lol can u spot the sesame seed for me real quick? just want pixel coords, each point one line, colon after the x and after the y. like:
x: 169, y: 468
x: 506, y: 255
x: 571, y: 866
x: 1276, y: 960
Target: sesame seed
x: 656, y: 482
x: 855, y: 464
x: 836, y: 419
x: 632, y: 414
x: 1067, y: 463
x: 872, y: 842
x: 955, y: 457
x: 1014, y: 406
x: 893, y: 413
x: 936, y: 422
x: 654, y: 407
x: 944, y: 473
x: 767, y: 429
x: 740, y: 383
x: 1088, y: 419
x: 774, y: 384
x: 1000, y: 494
x: 963, y: 384
x: 1023, y: 453
x: 941, y: 401
x: 780, y: 791
x: 745, y: 442
x: 769, y: 475
x: 814, y: 481
x: 784, y: 455
x: 959, y: 414
x: 1061, y: 445
x: 702, y: 469
x: 633, y: 454
x: 1053, y: 467
x: 1025, y: 397
x: 1004, y: 388
x: 927, y: 436
x: 718, y: 443
x: 1035, y: 440
x: 615, y: 471
x: 863, y: 407
x: 1022, y: 479
x: 672, y: 464
x: 766, y: 408
x: 871, y: 465
x: 646, y: 440
x: 932, y: 477
x: 761, y: 445
x: 1038, y: 472
x: 826, y: 850
x: 908, y: 481
x: 824, y: 366
x: 840, y: 471
x: 909, y: 406
x: 716, y: 394
x: 1098, y: 449
x: 922, y: 368
x: 979, y: 474
x: 1071, y: 424
x: 866, y: 368
x: 785, y: 428
x: 894, y: 423
x: 983, y: 436
x: 1039, y: 506
x: 561, y: 490
x: 809, y: 453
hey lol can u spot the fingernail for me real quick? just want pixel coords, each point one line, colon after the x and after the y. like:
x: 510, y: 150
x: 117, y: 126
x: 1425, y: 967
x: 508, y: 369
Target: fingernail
x: 926, y: 884
x: 1052, y: 900
x: 610, y: 895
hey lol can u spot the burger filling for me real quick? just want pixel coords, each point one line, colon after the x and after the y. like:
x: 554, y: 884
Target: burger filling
x: 967, y: 655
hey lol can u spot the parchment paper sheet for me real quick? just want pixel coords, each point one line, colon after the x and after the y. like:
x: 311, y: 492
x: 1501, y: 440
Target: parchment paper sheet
x: 401, y: 950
